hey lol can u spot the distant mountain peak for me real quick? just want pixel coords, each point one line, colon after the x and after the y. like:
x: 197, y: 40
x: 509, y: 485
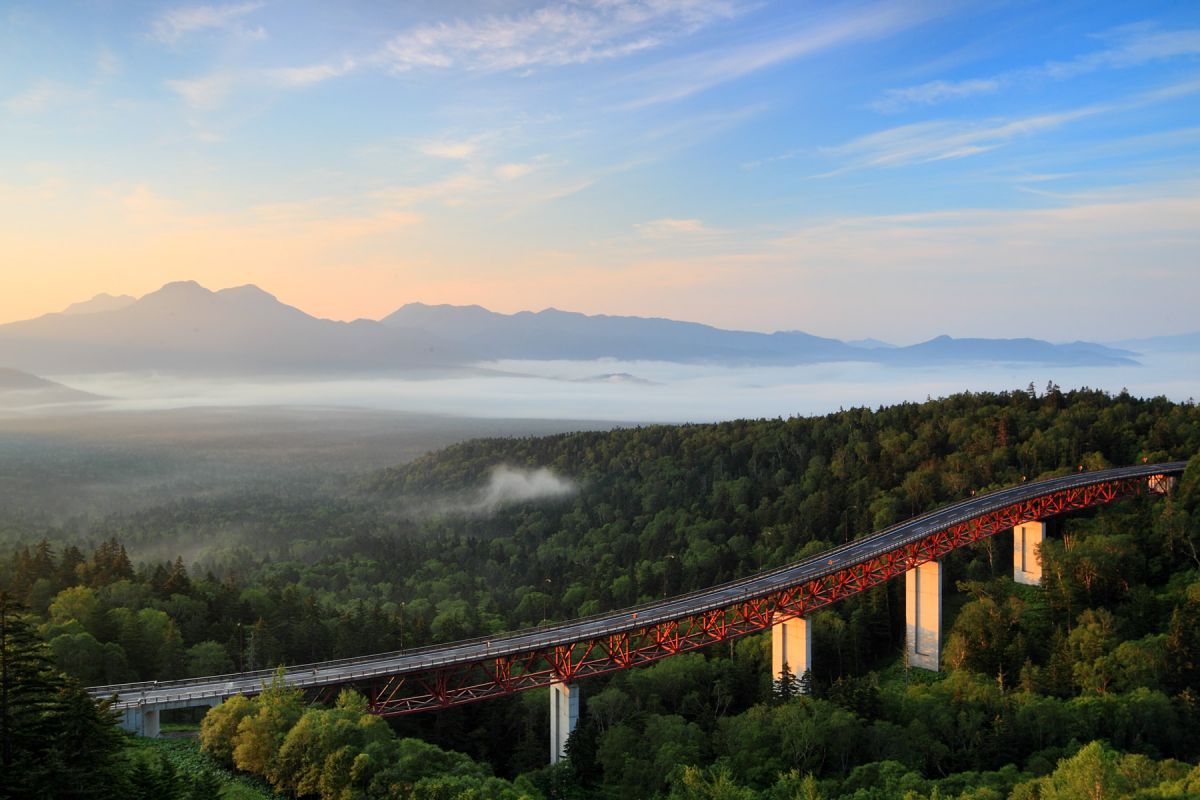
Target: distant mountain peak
x: 182, y: 287
x: 100, y: 303
x: 247, y: 290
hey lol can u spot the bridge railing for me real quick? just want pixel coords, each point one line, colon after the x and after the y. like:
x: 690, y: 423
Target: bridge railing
x: 631, y: 617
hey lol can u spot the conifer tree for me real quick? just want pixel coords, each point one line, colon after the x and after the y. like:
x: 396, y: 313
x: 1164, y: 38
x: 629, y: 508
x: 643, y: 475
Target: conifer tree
x: 55, y: 741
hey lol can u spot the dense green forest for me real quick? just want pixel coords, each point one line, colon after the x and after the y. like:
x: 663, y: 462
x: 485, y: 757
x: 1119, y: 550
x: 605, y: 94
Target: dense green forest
x: 1092, y: 677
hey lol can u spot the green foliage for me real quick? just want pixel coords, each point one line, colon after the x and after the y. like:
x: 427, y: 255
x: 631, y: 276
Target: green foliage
x: 1097, y: 772
x: 54, y: 740
x: 339, y: 752
x: 1108, y: 648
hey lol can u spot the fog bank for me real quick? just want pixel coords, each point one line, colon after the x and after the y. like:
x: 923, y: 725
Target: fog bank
x: 647, y: 391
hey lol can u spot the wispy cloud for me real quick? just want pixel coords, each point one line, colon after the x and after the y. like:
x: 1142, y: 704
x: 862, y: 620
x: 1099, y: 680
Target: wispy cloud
x: 683, y: 77
x: 39, y: 98
x: 553, y: 35
x: 1132, y: 46
x: 514, y: 170
x: 205, y: 93
x: 454, y: 150
x: 936, y: 259
x: 209, y: 92
x: 939, y: 140
x: 934, y: 92
x: 177, y: 23
x: 667, y: 227
x: 299, y: 77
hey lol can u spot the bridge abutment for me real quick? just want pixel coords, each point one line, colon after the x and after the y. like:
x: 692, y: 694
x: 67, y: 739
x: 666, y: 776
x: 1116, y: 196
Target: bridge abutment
x: 923, y: 615
x: 791, y: 644
x: 1027, y: 561
x: 564, y: 716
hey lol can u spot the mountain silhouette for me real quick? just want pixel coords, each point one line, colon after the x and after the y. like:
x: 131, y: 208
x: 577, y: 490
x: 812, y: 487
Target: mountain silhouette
x: 184, y: 328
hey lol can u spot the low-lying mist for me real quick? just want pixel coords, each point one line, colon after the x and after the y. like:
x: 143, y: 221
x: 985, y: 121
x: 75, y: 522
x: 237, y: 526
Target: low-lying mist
x: 82, y: 467
x: 640, y: 391
x: 156, y: 439
x: 508, y: 485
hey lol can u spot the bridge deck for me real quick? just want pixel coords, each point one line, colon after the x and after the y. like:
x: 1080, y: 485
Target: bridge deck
x: 559, y: 645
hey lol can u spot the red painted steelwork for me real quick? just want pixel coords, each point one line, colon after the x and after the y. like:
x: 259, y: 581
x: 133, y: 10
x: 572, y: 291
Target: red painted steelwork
x: 466, y: 683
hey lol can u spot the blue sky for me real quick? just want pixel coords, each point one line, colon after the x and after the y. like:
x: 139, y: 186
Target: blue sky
x: 896, y: 170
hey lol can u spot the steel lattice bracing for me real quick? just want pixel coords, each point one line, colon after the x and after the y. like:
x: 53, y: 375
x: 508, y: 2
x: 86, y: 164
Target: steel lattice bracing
x: 465, y: 672
x: 572, y: 661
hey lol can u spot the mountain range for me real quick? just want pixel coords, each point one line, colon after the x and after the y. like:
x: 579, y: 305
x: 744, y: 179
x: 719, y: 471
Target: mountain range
x: 185, y: 328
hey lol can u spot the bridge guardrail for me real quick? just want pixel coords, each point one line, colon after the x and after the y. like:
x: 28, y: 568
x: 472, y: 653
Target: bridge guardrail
x: 638, y: 616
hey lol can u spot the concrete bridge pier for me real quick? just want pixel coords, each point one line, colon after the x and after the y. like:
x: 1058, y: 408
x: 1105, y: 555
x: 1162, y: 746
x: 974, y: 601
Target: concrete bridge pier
x: 791, y: 644
x: 923, y: 615
x: 1027, y: 562
x: 142, y: 721
x: 564, y: 716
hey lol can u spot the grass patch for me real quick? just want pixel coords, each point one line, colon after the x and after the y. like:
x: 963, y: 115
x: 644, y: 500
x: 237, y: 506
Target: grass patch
x: 185, y: 756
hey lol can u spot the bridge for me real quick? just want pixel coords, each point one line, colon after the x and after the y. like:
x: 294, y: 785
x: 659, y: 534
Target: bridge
x: 560, y: 654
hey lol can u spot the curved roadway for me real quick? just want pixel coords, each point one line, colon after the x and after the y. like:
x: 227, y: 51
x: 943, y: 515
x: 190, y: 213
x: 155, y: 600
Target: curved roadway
x: 194, y: 691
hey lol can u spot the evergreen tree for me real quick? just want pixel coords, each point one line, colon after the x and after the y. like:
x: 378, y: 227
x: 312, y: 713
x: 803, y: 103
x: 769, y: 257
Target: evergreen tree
x: 54, y: 740
x: 786, y: 686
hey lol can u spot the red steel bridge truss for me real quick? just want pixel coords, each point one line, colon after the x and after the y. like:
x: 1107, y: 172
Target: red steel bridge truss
x: 637, y: 644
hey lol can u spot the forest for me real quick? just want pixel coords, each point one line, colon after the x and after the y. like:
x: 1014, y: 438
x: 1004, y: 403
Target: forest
x: 1086, y: 686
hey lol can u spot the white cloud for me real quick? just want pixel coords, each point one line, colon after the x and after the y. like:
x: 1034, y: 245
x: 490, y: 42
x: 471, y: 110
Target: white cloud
x: 667, y: 227
x: 945, y: 139
x: 939, y: 140
x: 454, y: 150
x: 511, y: 172
x: 299, y: 77
x: 205, y: 93
x: 695, y: 73
x: 553, y: 35
x: 934, y: 92
x: 173, y: 25
x: 1133, y: 47
x: 208, y: 92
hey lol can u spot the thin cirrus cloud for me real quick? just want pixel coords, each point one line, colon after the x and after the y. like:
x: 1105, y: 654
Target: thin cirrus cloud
x: 692, y: 74
x: 549, y: 36
x: 940, y: 140
x: 208, y: 92
x: 174, y: 25
x: 1132, y: 47
x: 552, y: 35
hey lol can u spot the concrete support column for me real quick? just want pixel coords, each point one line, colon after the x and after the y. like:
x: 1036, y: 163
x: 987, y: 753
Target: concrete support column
x: 564, y: 716
x: 1027, y: 562
x: 142, y: 721
x: 791, y: 644
x: 923, y: 615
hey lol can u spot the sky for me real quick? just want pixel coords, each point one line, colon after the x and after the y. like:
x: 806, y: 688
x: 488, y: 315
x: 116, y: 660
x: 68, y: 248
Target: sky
x: 888, y: 169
